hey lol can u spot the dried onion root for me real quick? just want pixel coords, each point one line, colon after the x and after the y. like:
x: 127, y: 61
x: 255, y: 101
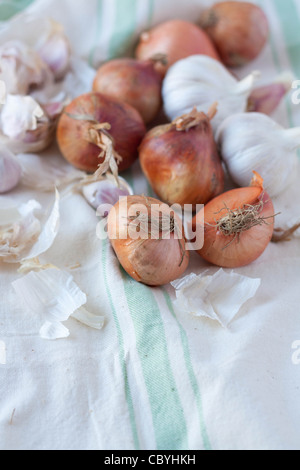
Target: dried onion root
x: 237, y: 221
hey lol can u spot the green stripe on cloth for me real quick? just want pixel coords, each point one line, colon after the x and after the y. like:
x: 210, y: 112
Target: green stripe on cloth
x: 167, y: 413
x: 97, y: 33
x: 289, y: 20
x: 288, y: 15
x: 105, y: 247
x: 276, y: 60
x: 124, y: 27
x: 10, y: 8
x: 150, y: 12
x: 191, y: 373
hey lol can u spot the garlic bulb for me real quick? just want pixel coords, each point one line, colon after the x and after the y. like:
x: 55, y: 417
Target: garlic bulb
x: 10, y: 170
x: 22, y: 68
x: 200, y: 81
x: 254, y: 142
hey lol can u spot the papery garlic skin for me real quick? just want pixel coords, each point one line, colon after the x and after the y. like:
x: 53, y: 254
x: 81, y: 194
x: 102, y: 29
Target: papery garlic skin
x: 22, y: 68
x: 23, y: 235
x: 253, y: 141
x: 219, y: 296
x: 10, y: 170
x: 15, y: 238
x: 200, y: 81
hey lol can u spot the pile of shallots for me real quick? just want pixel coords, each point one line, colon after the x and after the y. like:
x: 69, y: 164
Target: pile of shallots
x: 177, y: 107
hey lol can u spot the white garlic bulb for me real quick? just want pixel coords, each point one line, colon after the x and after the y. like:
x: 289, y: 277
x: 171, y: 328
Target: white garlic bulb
x: 10, y: 170
x: 199, y: 81
x: 254, y: 142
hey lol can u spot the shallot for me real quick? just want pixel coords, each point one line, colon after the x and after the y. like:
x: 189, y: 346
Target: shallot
x: 238, y: 225
x: 239, y: 31
x: 97, y: 130
x: 176, y: 39
x: 147, y: 237
x: 134, y: 81
x: 181, y: 160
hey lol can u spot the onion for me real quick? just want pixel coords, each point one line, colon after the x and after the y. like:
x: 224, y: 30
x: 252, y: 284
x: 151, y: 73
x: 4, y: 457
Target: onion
x: 176, y: 39
x: 134, y: 81
x: 181, y: 160
x: 239, y: 31
x: 95, y: 130
x: 238, y: 226
x: 147, y: 237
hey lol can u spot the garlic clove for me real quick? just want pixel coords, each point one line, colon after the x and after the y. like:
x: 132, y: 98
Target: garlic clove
x: 10, y: 170
x: 19, y: 115
x: 21, y: 68
x: 54, y: 49
x: 105, y: 193
x: 266, y: 98
x: 26, y: 125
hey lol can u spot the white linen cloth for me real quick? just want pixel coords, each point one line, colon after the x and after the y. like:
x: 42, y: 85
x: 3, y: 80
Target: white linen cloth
x: 153, y: 378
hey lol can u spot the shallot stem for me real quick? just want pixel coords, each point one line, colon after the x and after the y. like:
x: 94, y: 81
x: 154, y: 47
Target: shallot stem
x: 194, y: 118
x: 99, y: 136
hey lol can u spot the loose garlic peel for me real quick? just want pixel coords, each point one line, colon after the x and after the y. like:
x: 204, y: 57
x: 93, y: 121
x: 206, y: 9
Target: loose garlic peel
x: 250, y: 141
x: 200, y: 81
x: 54, y: 295
x: 219, y: 296
x: 24, y: 236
